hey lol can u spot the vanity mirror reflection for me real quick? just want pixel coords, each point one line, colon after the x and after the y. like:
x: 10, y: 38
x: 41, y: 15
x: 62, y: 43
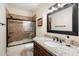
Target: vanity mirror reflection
x: 63, y: 19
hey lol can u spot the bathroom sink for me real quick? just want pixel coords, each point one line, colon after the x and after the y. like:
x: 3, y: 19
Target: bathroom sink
x: 52, y: 44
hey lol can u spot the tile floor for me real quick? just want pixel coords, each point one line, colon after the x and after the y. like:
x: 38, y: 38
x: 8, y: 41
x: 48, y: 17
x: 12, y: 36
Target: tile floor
x: 21, y: 50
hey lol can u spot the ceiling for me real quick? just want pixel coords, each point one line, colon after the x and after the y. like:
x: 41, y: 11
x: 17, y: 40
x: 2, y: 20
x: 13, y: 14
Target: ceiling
x: 25, y: 6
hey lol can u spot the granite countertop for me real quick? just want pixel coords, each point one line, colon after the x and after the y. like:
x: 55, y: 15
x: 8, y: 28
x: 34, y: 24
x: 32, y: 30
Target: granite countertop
x: 61, y: 50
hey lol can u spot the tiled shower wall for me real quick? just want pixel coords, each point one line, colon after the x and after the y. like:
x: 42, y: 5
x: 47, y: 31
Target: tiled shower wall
x: 16, y: 31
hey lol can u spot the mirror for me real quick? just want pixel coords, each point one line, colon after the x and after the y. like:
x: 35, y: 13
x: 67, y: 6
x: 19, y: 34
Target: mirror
x: 63, y: 19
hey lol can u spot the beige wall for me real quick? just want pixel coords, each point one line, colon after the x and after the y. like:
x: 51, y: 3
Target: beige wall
x: 2, y: 30
x: 17, y: 11
x: 42, y: 11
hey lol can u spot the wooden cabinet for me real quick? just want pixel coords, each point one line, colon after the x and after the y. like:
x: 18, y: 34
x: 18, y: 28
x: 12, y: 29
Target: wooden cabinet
x: 40, y: 51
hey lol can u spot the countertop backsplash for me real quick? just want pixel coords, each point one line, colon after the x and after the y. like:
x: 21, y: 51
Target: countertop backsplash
x: 73, y: 41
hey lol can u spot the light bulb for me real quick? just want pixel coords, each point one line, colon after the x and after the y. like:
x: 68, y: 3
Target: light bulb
x: 61, y: 4
x: 54, y: 8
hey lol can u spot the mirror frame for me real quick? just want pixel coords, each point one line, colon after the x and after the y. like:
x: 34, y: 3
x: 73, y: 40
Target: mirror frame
x: 74, y: 22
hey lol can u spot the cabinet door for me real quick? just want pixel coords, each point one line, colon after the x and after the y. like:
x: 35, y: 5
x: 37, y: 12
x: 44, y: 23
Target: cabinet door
x: 40, y: 51
x: 35, y: 49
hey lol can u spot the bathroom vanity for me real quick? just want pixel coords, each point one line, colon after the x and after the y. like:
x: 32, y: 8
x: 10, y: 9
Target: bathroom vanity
x: 40, y: 51
x: 44, y: 46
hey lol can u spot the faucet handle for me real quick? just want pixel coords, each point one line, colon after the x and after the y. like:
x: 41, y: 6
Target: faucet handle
x: 56, y: 38
x: 60, y: 41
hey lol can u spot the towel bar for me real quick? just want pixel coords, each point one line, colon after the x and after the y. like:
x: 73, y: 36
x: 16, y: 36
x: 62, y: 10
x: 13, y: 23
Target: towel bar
x: 2, y: 24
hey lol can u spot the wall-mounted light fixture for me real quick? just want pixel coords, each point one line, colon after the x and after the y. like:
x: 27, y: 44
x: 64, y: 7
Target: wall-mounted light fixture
x: 57, y: 6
